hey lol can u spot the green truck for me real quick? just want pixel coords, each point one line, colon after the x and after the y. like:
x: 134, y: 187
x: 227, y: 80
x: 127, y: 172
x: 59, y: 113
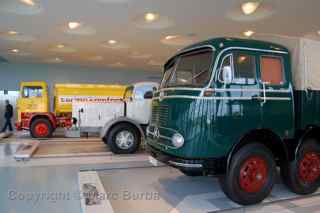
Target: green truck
x: 238, y: 109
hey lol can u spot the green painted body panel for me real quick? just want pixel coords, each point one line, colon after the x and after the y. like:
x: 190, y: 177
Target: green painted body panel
x: 307, y: 108
x: 213, y: 125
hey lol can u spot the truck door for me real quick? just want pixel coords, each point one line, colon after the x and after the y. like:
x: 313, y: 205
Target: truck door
x: 33, y: 98
x: 276, y: 93
x: 237, y: 102
x: 139, y: 108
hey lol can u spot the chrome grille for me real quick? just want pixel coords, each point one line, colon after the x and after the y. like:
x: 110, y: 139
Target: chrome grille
x: 160, y: 115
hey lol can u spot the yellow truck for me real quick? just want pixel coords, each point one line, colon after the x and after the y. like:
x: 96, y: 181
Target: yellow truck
x: 34, y: 104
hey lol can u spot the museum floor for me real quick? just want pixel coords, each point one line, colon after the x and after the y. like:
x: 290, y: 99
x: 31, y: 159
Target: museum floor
x: 49, y: 182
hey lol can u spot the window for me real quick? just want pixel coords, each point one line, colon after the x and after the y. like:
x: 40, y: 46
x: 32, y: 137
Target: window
x: 227, y: 62
x: 191, y: 69
x: 271, y: 70
x: 167, y: 76
x: 139, y: 92
x: 128, y: 93
x: 32, y: 91
x: 245, y: 69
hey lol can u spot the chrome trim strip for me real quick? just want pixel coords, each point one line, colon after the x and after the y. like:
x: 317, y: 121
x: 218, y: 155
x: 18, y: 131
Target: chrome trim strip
x: 225, y: 90
x: 186, y: 165
x: 180, y: 88
x: 217, y: 98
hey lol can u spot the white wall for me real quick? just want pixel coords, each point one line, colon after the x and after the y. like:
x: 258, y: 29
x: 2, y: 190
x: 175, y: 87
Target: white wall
x: 12, y: 74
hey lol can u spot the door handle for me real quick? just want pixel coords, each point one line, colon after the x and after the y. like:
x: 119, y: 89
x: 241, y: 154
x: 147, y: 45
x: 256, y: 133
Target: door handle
x: 257, y: 98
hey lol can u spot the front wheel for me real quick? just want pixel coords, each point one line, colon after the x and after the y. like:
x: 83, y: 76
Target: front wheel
x: 124, y: 139
x: 41, y: 128
x: 302, y: 175
x: 251, y: 175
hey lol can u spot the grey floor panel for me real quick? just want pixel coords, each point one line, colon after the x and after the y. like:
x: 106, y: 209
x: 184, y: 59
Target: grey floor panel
x: 174, y: 192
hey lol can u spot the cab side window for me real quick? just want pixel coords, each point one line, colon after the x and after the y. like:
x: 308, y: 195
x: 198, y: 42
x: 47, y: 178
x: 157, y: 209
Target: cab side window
x: 32, y: 92
x: 141, y: 91
x: 245, y: 69
x: 272, y: 70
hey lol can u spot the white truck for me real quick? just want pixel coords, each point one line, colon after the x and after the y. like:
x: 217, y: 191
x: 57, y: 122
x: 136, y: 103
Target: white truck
x: 122, y: 122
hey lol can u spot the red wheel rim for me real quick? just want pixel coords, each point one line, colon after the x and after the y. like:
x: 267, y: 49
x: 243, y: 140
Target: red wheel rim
x: 41, y: 129
x: 309, y: 167
x: 253, y: 174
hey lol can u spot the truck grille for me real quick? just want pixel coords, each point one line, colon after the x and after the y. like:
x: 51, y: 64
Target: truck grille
x: 160, y: 115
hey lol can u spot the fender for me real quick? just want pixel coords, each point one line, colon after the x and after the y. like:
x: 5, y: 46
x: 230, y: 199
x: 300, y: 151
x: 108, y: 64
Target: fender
x: 255, y: 134
x: 51, y: 117
x: 311, y: 132
x: 111, y: 123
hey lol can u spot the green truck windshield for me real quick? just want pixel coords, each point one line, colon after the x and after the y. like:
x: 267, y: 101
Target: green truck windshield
x: 189, y: 70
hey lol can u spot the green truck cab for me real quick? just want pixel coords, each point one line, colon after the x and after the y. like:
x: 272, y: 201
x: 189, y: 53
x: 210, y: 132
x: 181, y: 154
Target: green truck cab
x: 237, y: 109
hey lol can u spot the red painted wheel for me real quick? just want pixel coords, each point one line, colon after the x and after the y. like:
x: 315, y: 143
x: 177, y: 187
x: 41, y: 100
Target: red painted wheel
x: 309, y: 167
x: 41, y: 128
x: 253, y: 174
x: 302, y: 175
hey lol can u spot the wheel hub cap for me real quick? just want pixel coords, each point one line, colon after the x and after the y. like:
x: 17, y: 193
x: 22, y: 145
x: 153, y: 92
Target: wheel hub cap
x: 253, y: 174
x: 41, y: 129
x: 124, y: 139
x: 309, y: 167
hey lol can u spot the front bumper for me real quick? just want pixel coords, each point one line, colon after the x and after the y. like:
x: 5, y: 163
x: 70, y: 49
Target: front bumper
x: 211, y: 166
x: 182, y: 164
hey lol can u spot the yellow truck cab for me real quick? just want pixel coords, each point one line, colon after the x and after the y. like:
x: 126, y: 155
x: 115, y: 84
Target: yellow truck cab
x: 34, y: 106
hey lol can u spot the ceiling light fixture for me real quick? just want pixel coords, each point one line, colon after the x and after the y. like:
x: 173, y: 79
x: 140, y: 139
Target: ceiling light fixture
x: 151, y: 17
x: 15, y: 50
x: 319, y: 32
x: 171, y: 37
x: 73, y: 25
x: 112, y: 42
x: 60, y: 46
x: 28, y: 2
x: 248, y: 33
x: 12, y: 33
x: 250, y: 7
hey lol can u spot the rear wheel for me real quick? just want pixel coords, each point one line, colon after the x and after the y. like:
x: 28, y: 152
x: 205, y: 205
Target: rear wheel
x: 41, y: 128
x: 124, y: 139
x: 302, y: 175
x: 251, y: 175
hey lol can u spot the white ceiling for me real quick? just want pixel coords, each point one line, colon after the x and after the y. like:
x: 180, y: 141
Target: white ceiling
x: 141, y: 45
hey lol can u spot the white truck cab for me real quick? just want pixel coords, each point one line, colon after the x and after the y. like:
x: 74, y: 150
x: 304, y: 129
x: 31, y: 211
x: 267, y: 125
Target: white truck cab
x: 124, y: 132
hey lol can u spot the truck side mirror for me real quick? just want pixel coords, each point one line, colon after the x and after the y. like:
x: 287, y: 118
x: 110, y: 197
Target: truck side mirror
x: 227, y: 75
x: 148, y: 95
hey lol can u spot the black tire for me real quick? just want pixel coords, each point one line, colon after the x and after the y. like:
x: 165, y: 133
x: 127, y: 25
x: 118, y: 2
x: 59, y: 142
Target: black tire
x: 44, y: 123
x: 111, y: 139
x: 233, y: 184
x: 292, y: 174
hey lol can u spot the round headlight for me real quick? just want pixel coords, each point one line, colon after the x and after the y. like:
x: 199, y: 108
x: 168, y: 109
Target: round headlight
x: 177, y: 140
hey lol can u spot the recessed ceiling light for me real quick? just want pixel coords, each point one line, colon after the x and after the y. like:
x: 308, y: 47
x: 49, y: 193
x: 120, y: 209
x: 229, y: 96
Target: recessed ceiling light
x: 249, y: 7
x: 171, y: 37
x: 15, y: 50
x: 28, y: 2
x: 319, y: 32
x: 73, y: 25
x: 248, y: 33
x: 112, y: 42
x: 60, y: 46
x: 12, y: 32
x: 151, y: 17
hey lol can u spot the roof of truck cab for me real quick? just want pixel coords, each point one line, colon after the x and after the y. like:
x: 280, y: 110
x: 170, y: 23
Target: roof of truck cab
x: 223, y: 43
